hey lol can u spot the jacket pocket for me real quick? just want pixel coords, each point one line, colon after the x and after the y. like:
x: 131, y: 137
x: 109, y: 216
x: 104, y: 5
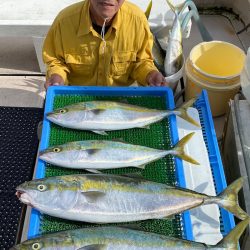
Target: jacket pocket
x: 122, y: 63
x: 80, y: 64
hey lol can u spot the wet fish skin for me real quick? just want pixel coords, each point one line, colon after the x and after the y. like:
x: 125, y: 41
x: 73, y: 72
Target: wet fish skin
x: 101, y: 116
x: 159, y: 55
x: 113, y: 238
x: 94, y: 154
x: 169, y: 62
x: 174, y: 55
x: 105, y: 116
x: 157, y: 51
x: 99, y: 198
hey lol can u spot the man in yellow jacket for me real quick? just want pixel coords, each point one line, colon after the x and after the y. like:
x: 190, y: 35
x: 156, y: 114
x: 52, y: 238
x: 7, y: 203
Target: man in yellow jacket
x: 100, y: 43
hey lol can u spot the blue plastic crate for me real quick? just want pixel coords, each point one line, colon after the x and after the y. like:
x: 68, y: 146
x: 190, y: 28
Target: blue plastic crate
x: 202, y: 105
x: 208, y: 131
x: 107, y: 91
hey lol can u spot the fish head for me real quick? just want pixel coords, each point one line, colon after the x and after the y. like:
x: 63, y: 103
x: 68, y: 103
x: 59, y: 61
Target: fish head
x: 63, y: 155
x: 34, y: 244
x: 48, y: 193
x: 46, y: 242
x: 68, y: 115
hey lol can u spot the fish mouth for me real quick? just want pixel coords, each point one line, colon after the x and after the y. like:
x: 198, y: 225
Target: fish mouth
x: 14, y: 248
x: 46, y: 157
x: 51, y: 116
x: 23, y: 197
x: 42, y: 155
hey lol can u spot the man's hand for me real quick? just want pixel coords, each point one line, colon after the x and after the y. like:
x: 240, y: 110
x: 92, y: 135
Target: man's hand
x: 54, y: 80
x: 155, y: 78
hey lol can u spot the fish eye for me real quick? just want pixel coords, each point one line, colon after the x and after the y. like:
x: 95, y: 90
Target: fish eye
x: 62, y: 111
x: 56, y: 150
x: 41, y: 188
x: 36, y: 246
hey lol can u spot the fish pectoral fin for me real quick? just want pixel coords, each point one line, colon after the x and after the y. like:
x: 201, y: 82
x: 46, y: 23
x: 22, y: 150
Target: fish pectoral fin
x: 92, y: 151
x: 97, y: 111
x: 93, y: 196
x: 94, y: 247
x: 141, y: 166
x: 99, y: 132
x: 94, y: 171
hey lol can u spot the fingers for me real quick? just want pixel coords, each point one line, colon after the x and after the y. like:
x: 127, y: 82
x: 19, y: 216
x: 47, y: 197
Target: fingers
x: 159, y: 83
x: 162, y: 84
x: 55, y: 84
x: 156, y: 79
x: 48, y: 84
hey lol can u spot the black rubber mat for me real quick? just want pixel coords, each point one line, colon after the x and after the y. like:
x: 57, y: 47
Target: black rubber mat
x: 18, y: 149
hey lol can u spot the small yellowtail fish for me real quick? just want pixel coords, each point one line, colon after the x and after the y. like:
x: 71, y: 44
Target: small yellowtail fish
x: 174, y: 59
x: 95, y: 154
x: 157, y: 51
x: 100, y: 198
x: 113, y: 238
x: 101, y: 116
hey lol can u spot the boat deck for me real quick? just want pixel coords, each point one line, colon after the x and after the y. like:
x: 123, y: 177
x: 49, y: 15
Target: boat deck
x: 21, y: 82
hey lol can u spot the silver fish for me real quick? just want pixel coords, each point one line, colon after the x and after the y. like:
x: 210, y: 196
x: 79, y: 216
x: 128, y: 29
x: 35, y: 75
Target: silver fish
x: 174, y: 59
x: 103, y: 198
x: 95, y: 154
x: 157, y: 51
x: 113, y: 238
x: 101, y: 116
x: 171, y: 62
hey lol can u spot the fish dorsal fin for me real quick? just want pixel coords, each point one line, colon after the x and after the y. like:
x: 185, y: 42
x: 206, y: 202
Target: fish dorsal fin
x: 131, y: 226
x: 93, y: 196
x: 94, y: 247
x: 134, y: 175
x: 118, y: 140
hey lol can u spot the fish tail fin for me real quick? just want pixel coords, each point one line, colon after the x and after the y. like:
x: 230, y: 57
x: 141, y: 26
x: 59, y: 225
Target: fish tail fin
x: 171, y: 5
x: 231, y: 240
x: 148, y: 10
x: 182, y: 112
x: 179, y: 149
x: 228, y: 199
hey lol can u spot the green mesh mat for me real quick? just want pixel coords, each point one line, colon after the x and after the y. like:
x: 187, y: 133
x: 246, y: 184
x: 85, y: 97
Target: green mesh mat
x: 158, y: 136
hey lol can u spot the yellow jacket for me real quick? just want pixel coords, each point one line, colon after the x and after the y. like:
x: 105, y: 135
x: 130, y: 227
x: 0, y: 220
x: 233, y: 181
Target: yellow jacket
x: 74, y: 50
